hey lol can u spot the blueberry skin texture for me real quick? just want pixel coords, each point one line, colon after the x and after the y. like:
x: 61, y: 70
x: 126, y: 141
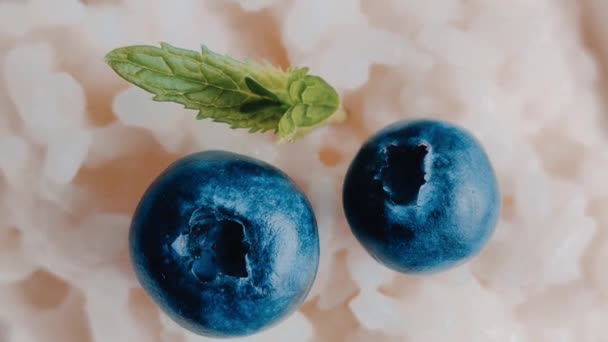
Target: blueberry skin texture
x: 226, y: 245
x: 421, y: 196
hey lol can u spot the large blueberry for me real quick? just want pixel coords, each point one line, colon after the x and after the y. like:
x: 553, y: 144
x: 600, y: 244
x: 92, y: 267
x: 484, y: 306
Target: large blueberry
x: 421, y: 196
x: 226, y: 245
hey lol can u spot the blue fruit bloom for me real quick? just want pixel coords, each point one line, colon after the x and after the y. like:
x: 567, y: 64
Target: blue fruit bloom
x: 421, y: 196
x: 226, y: 245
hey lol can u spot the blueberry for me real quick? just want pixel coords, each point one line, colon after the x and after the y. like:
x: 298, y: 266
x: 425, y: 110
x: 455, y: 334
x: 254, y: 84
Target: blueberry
x: 226, y: 245
x: 421, y: 196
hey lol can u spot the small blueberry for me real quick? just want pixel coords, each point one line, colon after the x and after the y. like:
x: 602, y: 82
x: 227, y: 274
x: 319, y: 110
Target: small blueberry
x: 226, y: 245
x: 421, y: 196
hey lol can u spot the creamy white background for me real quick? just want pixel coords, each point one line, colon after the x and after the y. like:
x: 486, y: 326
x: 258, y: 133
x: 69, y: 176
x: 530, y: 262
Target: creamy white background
x: 78, y: 146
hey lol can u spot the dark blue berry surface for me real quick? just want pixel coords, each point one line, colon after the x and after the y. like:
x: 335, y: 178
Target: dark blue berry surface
x: 226, y: 245
x: 421, y: 196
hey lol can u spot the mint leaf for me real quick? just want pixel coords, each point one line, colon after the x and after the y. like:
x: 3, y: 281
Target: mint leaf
x: 260, y: 90
x: 243, y: 94
x: 314, y: 101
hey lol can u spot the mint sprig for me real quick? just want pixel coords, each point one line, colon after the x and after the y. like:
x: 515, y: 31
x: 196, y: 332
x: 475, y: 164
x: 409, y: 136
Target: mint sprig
x: 243, y: 94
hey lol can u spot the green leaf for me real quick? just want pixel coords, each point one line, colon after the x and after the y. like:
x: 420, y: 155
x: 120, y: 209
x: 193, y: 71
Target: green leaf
x: 260, y: 90
x: 314, y: 102
x: 243, y: 94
